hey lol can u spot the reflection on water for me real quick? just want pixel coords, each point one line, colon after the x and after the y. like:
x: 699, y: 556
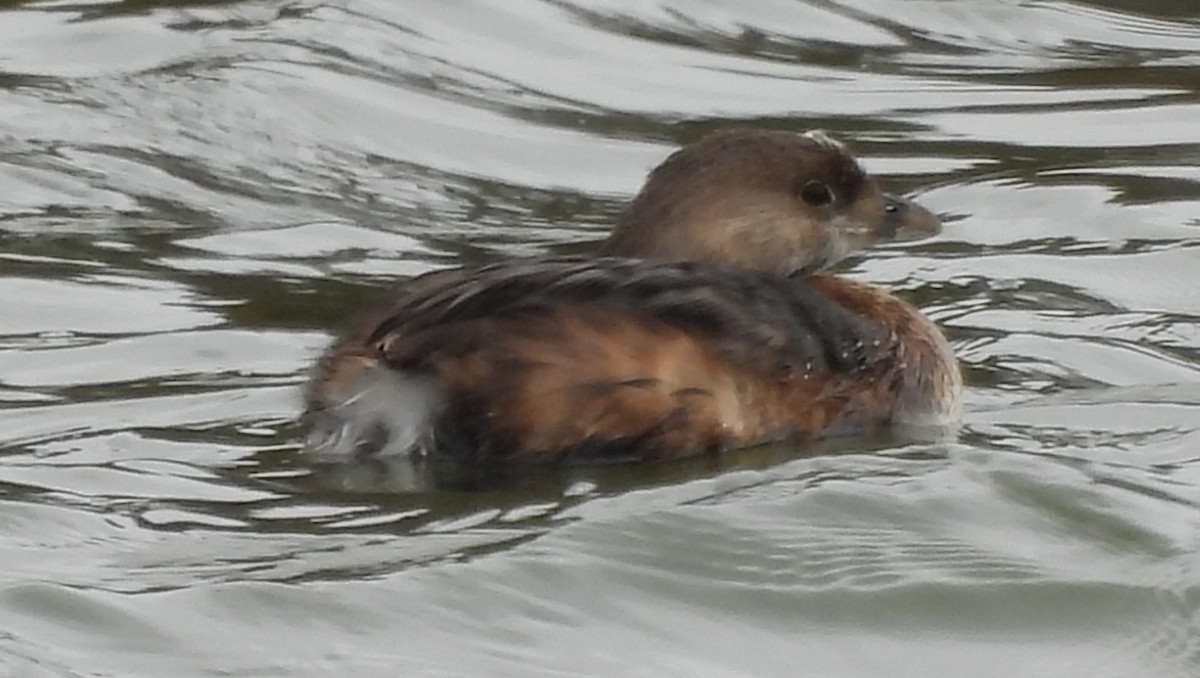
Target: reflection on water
x: 192, y: 194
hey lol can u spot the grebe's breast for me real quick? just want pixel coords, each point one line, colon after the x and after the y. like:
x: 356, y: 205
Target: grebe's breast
x: 624, y: 357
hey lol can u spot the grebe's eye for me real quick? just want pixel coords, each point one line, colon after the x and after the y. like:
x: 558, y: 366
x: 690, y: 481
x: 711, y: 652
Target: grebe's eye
x: 816, y: 193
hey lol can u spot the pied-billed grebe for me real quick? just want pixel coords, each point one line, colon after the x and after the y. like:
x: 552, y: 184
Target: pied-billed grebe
x: 703, y: 325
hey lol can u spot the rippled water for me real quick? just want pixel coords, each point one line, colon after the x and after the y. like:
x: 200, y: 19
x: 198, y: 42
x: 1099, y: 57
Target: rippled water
x: 193, y: 194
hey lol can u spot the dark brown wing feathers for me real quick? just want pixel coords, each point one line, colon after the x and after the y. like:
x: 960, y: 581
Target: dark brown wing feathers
x: 748, y: 316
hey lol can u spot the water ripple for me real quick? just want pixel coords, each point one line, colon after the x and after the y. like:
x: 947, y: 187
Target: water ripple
x: 194, y: 194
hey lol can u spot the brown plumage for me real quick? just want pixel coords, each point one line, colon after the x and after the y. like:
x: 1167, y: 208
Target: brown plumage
x: 702, y: 327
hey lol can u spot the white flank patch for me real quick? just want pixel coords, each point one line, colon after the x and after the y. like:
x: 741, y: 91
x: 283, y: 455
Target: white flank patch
x: 384, y: 413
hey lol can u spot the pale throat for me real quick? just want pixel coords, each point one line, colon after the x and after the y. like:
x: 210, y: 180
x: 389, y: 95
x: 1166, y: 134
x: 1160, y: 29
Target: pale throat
x: 782, y: 243
x: 751, y: 231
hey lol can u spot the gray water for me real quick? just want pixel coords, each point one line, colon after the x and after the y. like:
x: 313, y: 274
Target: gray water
x: 194, y: 195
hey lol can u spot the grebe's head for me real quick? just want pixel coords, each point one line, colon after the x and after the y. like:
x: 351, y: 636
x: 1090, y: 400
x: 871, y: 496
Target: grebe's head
x: 766, y: 200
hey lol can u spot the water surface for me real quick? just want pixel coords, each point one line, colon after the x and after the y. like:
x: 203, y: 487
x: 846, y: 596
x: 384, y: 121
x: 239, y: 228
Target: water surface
x: 192, y: 195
